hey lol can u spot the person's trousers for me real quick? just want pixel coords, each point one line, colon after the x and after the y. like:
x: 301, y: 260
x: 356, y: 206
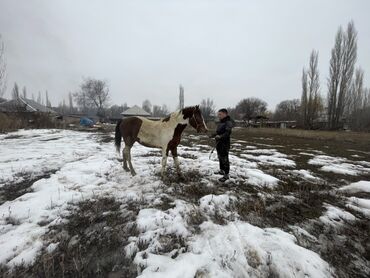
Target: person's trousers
x: 223, y: 156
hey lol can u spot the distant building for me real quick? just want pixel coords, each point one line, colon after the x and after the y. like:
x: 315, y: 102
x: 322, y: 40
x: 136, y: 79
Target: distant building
x: 24, y: 105
x: 135, y: 111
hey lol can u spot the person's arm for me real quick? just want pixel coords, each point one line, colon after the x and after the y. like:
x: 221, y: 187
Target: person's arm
x: 228, y: 128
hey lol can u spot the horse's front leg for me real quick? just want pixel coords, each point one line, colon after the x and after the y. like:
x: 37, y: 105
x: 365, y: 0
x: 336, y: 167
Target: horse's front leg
x: 176, y: 161
x: 164, y: 162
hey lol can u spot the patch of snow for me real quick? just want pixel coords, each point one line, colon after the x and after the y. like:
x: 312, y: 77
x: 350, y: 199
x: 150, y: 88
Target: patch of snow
x: 305, y: 174
x: 338, y: 165
x: 335, y: 215
x: 238, y: 250
x: 275, y: 159
x: 307, y: 154
x: 360, y: 186
x: 359, y: 204
x: 210, y: 204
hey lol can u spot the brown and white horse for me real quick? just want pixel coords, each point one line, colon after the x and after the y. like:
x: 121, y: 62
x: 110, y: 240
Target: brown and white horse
x: 164, y: 134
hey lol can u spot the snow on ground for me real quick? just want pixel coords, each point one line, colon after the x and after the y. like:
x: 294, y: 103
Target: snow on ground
x: 338, y: 165
x: 241, y: 169
x: 335, y: 215
x: 269, y: 157
x: 361, y: 205
x: 306, y: 174
x: 23, y: 155
x: 86, y: 168
x: 238, y: 250
x: 361, y: 186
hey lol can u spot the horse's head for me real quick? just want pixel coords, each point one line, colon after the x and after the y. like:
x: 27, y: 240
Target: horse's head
x: 194, y: 115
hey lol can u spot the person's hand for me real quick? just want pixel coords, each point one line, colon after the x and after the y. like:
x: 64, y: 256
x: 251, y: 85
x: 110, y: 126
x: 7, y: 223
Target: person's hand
x: 218, y: 137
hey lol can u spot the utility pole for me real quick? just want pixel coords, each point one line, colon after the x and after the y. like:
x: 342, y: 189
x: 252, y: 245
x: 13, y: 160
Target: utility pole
x: 181, y: 97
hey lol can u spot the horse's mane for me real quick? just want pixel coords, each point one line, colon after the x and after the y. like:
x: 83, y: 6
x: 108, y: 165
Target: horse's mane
x: 187, y: 111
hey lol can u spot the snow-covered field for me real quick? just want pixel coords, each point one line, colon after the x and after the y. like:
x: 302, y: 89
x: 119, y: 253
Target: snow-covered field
x: 273, y: 218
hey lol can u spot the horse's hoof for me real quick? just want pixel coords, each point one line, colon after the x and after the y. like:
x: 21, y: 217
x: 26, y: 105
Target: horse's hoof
x: 126, y: 169
x: 133, y: 174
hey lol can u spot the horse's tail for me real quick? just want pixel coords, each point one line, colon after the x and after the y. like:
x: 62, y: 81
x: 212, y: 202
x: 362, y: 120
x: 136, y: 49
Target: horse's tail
x: 118, y: 136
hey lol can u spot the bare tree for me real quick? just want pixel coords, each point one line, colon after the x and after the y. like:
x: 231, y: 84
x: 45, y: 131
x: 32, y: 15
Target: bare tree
x: 287, y: 110
x: 15, y: 91
x: 70, y: 100
x: 160, y: 111
x: 116, y: 110
x: 2, y: 69
x: 39, y: 98
x: 47, y: 101
x: 165, y: 110
x: 233, y: 113
x: 24, y: 92
x: 157, y: 111
x: 93, y: 93
x: 251, y: 107
x: 208, y: 109
x: 311, y: 99
x: 366, y: 102
x: 357, y: 102
x: 356, y: 93
x: 304, y: 99
x: 147, y: 106
x: 342, y: 62
x: 125, y: 107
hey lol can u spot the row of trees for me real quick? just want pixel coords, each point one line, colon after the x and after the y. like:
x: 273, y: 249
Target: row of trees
x: 347, y: 100
x: 42, y: 99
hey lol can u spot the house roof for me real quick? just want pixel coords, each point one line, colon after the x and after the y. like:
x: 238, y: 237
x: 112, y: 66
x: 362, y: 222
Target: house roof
x: 24, y: 104
x: 135, y: 111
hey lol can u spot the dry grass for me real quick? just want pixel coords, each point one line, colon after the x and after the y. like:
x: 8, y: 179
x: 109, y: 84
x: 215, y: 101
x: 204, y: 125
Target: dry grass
x: 346, y: 136
x: 13, y: 121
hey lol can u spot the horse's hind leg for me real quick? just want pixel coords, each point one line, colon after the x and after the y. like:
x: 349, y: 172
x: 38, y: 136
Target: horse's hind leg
x: 125, y: 160
x: 127, y: 151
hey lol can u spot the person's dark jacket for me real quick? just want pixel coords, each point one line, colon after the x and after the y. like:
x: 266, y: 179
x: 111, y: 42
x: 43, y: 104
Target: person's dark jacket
x: 224, y: 128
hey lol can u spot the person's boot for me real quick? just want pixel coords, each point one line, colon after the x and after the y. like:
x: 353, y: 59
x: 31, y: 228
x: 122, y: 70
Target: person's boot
x: 224, y: 178
x: 220, y: 172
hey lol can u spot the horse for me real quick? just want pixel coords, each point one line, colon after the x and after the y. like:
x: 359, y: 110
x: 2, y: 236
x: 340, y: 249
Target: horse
x: 164, y: 134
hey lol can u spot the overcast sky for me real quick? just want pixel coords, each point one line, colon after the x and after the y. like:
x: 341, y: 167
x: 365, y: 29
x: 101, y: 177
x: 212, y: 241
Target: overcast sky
x: 226, y: 49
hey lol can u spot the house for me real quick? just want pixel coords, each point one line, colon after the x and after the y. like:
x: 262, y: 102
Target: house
x: 24, y: 105
x: 135, y: 111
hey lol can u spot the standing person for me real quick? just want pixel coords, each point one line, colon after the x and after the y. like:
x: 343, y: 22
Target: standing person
x: 222, y: 137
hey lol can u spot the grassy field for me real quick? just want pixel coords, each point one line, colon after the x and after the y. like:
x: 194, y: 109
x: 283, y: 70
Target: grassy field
x: 362, y: 138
